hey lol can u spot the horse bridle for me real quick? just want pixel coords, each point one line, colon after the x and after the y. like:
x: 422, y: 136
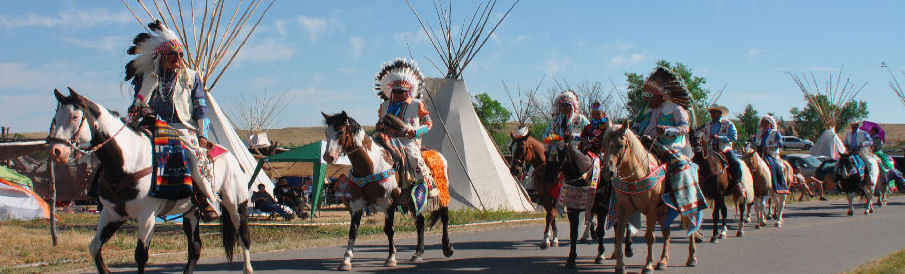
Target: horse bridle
x: 73, y: 141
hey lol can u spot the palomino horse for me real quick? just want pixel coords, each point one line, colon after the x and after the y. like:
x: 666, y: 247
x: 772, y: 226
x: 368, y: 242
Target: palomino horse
x: 715, y: 182
x: 124, y: 193
x: 529, y: 151
x: 763, y: 187
x: 376, y: 185
x: 633, y: 165
x: 582, y: 174
x: 853, y: 184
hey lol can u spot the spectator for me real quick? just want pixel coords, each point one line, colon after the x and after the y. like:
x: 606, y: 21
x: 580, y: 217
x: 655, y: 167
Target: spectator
x: 266, y: 203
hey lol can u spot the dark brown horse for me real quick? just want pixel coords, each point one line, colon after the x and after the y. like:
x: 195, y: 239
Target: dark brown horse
x: 716, y: 184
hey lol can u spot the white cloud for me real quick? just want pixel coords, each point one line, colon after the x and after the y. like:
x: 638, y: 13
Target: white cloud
x: 106, y: 43
x: 357, y: 45
x: 67, y: 18
x: 556, y: 64
x: 280, y: 26
x: 754, y: 52
x: 628, y: 59
x: 266, y: 50
x: 313, y: 26
x: 618, y: 46
x: 410, y: 37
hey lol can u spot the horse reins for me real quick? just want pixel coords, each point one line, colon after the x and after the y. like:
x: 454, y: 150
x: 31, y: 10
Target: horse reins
x: 73, y: 140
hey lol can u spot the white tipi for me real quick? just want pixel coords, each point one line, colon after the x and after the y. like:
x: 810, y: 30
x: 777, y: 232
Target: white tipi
x: 478, y: 176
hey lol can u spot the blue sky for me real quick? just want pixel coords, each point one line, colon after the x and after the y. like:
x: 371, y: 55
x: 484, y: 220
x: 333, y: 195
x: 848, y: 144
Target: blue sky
x: 326, y: 53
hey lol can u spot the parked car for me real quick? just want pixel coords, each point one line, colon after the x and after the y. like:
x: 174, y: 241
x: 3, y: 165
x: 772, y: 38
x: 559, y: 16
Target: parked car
x: 806, y: 163
x: 794, y: 142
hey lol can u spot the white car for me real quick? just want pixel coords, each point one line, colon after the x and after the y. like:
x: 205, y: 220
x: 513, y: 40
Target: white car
x: 794, y: 142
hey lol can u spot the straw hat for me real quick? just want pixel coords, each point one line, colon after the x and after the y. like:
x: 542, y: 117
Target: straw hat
x: 722, y: 109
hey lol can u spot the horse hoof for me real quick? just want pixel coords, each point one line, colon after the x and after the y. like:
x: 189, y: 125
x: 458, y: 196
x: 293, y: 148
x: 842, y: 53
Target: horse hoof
x: 629, y: 253
x: 417, y: 259
x: 692, y: 262
x: 647, y: 271
x: 714, y: 240
x: 698, y: 239
x: 345, y: 267
x: 757, y: 227
x: 555, y: 242
x: 850, y: 213
x: 545, y: 245
x: 739, y: 234
x: 448, y: 252
x: 778, y: 224
x: 390, y: 263
x: 660, y: 266
x: 599, y: 259
x: 571, y: 265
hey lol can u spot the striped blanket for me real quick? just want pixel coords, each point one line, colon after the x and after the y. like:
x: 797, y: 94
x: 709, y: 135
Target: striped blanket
x: 172, y: 176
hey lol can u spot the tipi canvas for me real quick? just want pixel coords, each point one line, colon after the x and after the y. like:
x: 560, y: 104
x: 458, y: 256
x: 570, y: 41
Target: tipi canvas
x: 828, y: 145
x: 223, y: 133
x: 478, y: 176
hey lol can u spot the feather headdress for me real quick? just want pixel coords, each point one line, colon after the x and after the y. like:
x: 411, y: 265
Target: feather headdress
x: 400, y: 73
x: 568, y: 97
x: 147, y: 47
x: 665, y: 80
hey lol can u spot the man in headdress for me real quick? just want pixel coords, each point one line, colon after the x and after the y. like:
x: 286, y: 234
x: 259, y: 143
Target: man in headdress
x: 166, y: 90
x: 665, y: 117
x: 721, y: 132
x: 565, y: 127
x: 769, y: 143
x: 593, y: 132
x: 854, y: 141
x: 403, y: 80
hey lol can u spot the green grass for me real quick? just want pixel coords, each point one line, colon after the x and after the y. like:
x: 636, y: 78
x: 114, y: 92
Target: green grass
x: 894, y: 263
x: 28, y: 242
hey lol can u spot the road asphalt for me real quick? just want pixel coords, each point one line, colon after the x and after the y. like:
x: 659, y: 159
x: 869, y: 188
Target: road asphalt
x: 817, y: 237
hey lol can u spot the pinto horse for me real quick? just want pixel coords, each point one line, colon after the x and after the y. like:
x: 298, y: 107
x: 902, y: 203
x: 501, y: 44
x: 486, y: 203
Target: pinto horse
x: 853, y: 184
x: 126, y: 156
x: 715, y: 183
x: 634, y: 165
x: 377, y: 184
x: 763, y: 185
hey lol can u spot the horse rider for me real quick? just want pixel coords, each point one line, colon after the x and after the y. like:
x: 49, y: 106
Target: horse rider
x: 722, y: 132
x: 565, y: 127
x: 403, y: 80
x: 665, y: 118
x: 769, y: 142
x: 854, y: 141
x: 167, y: 90
x: 592, y: 134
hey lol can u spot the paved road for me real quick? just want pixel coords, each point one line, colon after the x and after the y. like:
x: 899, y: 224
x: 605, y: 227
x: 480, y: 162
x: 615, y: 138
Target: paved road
x: 816, y: 238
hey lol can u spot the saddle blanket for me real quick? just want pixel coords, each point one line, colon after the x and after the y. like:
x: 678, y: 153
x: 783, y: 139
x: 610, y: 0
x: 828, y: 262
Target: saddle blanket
x: 582, y: 197
x: 171, y: 176
x: 685, y: 197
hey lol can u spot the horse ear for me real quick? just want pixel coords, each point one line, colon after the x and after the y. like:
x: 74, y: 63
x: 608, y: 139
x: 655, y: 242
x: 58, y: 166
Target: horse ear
x: 325, y: 115
x: 60, y: 96
x: 512, y: 136
x: 91, y: 106
x: 625, y: 127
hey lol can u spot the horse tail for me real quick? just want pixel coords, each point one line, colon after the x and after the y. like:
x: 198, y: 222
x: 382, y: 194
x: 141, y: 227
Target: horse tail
x: 435, y: 216
x: 228, y: 233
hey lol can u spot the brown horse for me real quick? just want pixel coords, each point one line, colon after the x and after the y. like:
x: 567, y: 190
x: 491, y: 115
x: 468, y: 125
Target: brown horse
x: 715, y: 182
x: 631, y: 163
x: 378, y: 186
x: 527, y: 151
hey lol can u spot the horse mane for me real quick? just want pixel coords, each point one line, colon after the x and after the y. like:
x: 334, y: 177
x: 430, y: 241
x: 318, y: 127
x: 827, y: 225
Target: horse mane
x: 640, y: 157
x: 538, y: 148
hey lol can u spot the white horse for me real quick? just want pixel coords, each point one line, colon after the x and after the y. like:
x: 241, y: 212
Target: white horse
x: 126, y: 157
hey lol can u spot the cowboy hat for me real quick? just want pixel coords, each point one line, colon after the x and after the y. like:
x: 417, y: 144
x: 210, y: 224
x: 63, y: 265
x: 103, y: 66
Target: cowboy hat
x: 722, y: 109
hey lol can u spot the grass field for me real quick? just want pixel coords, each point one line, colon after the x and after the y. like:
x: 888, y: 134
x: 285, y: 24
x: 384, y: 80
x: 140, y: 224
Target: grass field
x: 28, y: 246
x: 894, y: 263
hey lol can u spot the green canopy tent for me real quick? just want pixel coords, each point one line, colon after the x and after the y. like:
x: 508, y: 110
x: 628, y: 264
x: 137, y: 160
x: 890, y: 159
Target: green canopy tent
x: 310, y: 153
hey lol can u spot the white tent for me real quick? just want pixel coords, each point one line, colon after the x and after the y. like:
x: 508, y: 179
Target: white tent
x: 478, y: 176
x: 223, y: 133
x: 19, y: 203
x: 828, y: 145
